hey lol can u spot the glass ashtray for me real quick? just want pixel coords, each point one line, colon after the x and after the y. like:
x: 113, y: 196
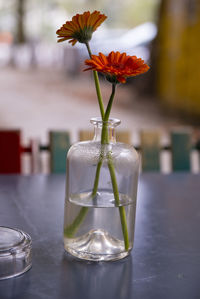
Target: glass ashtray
x: 15, y: 252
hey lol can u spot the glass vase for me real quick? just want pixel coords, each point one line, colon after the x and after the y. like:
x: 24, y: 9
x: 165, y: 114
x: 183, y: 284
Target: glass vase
x: 101, y: 192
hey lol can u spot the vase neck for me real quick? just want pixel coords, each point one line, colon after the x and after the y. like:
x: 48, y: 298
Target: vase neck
x: 110, y: 126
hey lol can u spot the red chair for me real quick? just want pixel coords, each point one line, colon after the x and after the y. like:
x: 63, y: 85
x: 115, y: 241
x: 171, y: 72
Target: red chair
x: 10, y: 151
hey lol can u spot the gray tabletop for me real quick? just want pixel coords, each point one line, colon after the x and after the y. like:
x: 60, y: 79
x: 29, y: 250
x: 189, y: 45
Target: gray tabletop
x: 165, y: 261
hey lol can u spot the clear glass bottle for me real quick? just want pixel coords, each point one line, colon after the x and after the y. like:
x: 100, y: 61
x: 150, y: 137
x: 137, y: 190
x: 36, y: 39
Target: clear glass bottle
x: 101, y: 192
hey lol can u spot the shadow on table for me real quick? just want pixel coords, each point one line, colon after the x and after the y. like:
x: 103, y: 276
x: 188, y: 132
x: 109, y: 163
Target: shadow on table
x: 82, y: 279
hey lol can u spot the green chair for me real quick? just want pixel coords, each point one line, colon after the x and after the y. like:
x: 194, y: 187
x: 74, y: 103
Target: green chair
x: 181, y: 147
x: 59, y: 146
x: 150, y: 150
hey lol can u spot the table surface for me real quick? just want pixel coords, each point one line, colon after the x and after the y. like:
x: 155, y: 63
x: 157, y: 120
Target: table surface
x: 165, y: 261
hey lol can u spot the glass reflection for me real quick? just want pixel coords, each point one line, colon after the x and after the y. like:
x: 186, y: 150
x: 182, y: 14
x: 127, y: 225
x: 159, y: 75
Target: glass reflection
x: 95, y: 280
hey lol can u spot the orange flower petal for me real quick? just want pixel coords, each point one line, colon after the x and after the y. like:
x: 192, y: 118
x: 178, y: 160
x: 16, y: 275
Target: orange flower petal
x: 88, y: 69
x: 111, y: 57
x: 86, y: 15
x: 73, y: 26
x: 88, y: 21
x: 121, y: 79
x: 117, y: 57
x: 80, y: 21
x: 68, y: 28
x: 73, y: 41
x: 99, y: 21
x: 62, y: 39
x: 122, y: 58
x: 98, y: 60
x: 93, y: 19
x: 103, y: 58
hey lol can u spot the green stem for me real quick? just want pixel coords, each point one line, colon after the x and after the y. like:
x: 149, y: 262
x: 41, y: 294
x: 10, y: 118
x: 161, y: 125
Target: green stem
x: 104, y: 140
x: 98, y: 91
x: 96, y: 181
x: 97, y: 85
x: 122, y: 211
x: 70, y: 230
x: 104, y: 134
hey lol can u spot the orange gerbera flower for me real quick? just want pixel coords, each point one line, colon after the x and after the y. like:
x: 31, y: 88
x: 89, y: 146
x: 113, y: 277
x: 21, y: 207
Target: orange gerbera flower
x: 81, y: 27
x: 116, y: 66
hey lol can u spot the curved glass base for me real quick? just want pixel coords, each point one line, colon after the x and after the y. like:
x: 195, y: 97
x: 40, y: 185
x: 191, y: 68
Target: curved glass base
x: 15, y: 252
x: 97, y: 245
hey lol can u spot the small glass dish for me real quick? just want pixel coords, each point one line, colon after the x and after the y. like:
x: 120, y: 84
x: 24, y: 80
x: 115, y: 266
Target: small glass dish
x: 15, y: 252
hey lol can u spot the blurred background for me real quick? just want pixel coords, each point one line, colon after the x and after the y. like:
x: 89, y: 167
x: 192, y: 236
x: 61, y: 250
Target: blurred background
x: 42, y: 85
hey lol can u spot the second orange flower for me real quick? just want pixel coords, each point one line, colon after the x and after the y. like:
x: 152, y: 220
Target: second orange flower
x: 116, y: 66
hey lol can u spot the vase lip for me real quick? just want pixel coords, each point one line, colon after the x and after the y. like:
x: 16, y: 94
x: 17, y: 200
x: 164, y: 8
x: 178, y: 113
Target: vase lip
x: 113, y: 122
